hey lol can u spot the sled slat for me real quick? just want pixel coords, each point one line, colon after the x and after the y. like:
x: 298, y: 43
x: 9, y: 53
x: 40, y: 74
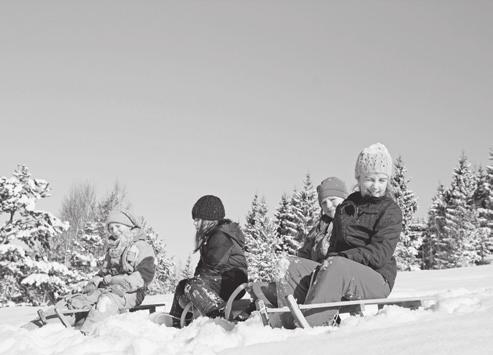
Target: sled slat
x: 150, y: 307
x: 296, y: 312
x: 356, y: 306
x: 263, y: 311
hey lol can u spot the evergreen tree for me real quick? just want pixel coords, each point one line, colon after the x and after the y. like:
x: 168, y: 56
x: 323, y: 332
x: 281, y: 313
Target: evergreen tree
x: 165, y: 278
x: 86, y: 252
x: 434, y: 232
x: 458, y: 246
x: 483, y: 201
x: 26, y: 274
x: 409, y: 243
x: 261, y: 242
x: 306, y: 209
x: 285, y: 226
x: 187, y: 271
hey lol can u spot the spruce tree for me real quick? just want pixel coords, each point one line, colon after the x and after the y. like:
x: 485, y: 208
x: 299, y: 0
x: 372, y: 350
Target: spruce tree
x: 27, y: 274
x: 187, y: 271
x: 285, y: 226
x: 261, y: 242
x: 483, y: 201
x: 458, y: 246
x: 164, y: 279
x: 409, y: 243
x: 434, y: 232
x: 306, y: 209
x: 86, y: 254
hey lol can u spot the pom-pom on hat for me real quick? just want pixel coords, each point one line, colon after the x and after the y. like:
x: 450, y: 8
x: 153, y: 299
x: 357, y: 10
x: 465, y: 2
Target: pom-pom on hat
x: 122, y: 217
x: 331, y: 186
x: 374, y: 159
x: 208, y: 207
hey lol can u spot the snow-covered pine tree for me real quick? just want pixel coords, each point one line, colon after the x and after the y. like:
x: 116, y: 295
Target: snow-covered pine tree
x: 460, y: 226
x: 407, y: 249
x: 188, y: 269
x: 26, y: 274
x: 261, y: 242
x: 434, y: 232
x: 285, y: 226
x: 417, y: 231
x: 87, y: 250
x: 165, y: 277
x: 305, y: 208
x: 483, y: 201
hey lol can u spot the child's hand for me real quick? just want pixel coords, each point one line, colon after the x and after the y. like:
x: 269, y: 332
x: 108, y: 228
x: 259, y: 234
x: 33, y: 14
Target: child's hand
x: 107, y: 279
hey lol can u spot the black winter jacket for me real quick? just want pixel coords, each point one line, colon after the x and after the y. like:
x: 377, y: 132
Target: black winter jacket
x: 367, y: 230
x: 223, y: 252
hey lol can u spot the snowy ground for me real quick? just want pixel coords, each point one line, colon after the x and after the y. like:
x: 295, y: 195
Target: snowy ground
x: 461, y: 324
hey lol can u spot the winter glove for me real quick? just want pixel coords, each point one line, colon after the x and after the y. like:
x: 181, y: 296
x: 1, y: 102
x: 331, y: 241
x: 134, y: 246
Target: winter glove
x: 107, y: 280
x: 117, y: 290
x: 121, y: 280
x: 89, y: 288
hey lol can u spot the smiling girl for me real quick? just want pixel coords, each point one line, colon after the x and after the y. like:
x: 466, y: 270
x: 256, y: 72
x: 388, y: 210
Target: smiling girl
x: 360, y: 260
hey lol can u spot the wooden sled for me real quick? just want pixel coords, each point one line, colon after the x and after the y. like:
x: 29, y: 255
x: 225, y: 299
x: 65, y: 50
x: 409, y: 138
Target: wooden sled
x: 352, y: 307
x: 73, y: 317
x: 261, y: 304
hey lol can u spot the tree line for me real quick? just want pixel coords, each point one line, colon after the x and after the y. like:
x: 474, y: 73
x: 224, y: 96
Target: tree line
x: 43, y: 257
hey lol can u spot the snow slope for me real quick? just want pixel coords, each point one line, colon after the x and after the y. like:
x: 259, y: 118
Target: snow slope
x: 462, y: 323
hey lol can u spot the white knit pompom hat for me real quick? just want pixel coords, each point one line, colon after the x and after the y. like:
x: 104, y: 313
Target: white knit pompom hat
x: 374, y: 159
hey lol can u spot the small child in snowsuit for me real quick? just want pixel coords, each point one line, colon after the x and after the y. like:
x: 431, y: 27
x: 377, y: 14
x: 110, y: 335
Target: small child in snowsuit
x: 222, y: 266
x: 360, y: 262
x: 331, y: 192
x: 128, y: 269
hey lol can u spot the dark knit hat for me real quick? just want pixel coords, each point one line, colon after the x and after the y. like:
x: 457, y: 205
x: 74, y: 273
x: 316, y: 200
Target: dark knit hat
x: 208, y: 207
x: 122, y: 217
x: 331, y: 186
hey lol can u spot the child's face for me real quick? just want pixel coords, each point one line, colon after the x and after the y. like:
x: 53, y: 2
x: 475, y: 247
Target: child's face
x: 373, y: 184
x: 116, y: 230
x: 197, y: 222
x: 329, y: 205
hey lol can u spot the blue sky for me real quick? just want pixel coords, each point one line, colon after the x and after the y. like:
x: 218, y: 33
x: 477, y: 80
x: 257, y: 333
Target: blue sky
x: 180, y: 99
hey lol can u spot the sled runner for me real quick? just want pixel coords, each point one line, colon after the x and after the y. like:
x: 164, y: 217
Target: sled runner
x: 72, y: 317
x: 352, y: 307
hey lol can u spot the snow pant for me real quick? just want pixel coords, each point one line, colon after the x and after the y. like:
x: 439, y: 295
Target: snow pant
x: 208, y: 294
x: 338, y: 279
x: 106, y: 304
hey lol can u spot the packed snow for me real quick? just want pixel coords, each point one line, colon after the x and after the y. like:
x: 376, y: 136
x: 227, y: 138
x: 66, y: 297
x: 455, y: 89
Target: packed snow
x: 460, y: 323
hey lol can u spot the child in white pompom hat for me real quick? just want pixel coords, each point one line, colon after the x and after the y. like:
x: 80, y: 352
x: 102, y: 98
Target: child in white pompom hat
x: 360, y: 261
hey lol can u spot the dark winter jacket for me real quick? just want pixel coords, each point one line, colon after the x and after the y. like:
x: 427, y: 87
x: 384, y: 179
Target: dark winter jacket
x: 366, y: 230
x: 223, y: 253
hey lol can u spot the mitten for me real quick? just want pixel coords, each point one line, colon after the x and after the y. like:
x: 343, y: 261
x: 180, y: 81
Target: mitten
x: 117, y: 290
x: 89, y: 288
x: 107, y: 280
